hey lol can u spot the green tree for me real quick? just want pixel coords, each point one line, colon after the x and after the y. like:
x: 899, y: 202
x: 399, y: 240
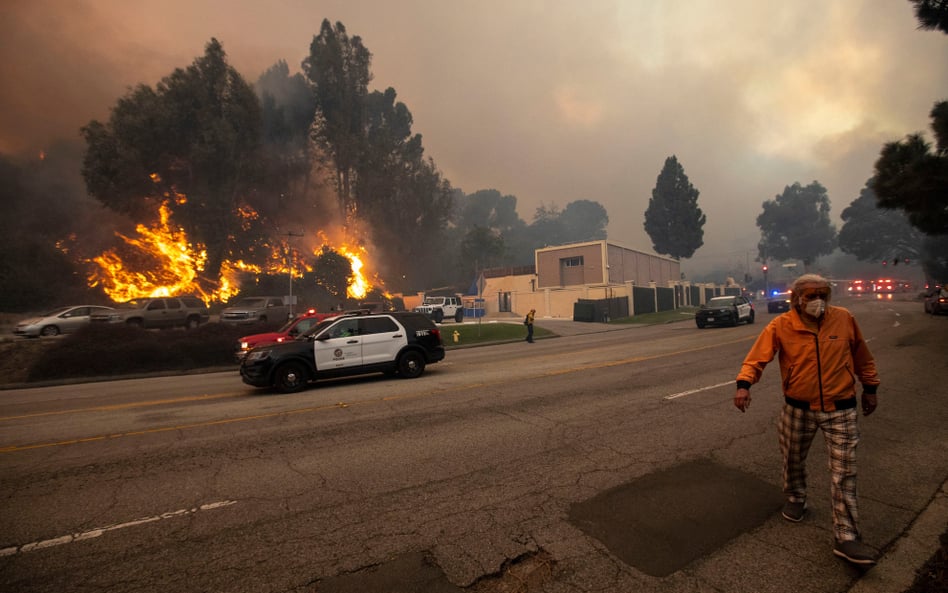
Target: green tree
x: 873, y: 234
x: 402, y: 196
x: 333, y: 273
x: 338, y: 66
x: 481, y: 248
x: 935, y: 258
x: 195, y: 138
x: 489, y: 209
x: 288, y: 106
x: 932, y: 14
x: 547, y: 227
x: 912, y: 177
x: 673, y: 219
x: 796, y: 225
x: 584, y: 220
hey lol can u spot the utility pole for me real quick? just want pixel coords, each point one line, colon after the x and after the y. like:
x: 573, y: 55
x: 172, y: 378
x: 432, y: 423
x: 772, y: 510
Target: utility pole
x: 289, y: 265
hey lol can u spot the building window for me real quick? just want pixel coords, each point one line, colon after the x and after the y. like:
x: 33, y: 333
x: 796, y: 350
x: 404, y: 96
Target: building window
x: 572, y: 262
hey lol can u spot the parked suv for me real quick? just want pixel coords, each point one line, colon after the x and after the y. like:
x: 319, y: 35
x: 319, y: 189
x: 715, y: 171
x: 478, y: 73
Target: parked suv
x: 439, y: 308
x: 729, y: 310
x: 290, y: 330
x: 936, y: 301
x: 258, y: 309
x: 157, y: 312
x: 398, y: 343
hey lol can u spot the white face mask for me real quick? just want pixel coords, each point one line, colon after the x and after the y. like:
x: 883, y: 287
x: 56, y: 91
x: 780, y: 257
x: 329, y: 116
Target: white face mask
x: 815, y: 308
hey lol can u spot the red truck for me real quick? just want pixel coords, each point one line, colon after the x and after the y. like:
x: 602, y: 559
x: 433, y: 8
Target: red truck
x: 289, y: 331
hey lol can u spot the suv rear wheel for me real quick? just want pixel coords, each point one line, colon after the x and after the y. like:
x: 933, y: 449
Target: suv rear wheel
x: 411, y: 364
x: 459, y: 316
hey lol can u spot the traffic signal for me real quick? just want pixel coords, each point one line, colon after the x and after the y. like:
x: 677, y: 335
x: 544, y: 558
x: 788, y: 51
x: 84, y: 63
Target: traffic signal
x: 763, y: 268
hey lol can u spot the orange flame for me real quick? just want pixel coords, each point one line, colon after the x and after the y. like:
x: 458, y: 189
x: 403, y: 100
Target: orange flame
x: 360, y: 286
x: 165, y: 263
x: 161, y: 261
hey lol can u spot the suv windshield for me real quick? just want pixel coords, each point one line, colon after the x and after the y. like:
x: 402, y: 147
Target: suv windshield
x: 318, y: 327
x: 721, y: 301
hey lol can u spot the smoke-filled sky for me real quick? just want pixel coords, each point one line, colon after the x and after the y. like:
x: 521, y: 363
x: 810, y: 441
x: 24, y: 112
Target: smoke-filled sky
x: 548, y: 100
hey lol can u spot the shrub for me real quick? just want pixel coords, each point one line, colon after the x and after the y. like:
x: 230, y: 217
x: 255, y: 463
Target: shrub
x: 101, y: 350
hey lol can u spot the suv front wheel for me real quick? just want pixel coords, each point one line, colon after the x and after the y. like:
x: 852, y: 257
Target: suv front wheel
x: 438, y: 315
x: 290, y: 377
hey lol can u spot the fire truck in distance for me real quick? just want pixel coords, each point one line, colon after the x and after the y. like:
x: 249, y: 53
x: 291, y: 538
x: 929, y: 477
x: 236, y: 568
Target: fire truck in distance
x: 858, y: 287
x: 880, y: 286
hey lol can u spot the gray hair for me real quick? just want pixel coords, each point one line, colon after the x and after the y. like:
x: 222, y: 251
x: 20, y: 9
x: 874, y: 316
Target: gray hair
x: 805, y: 279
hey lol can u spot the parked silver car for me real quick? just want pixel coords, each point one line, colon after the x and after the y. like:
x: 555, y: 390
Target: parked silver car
x: 59, y: 321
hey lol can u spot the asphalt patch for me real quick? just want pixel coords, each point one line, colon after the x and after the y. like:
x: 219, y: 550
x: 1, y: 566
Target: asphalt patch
x: 663, y: 521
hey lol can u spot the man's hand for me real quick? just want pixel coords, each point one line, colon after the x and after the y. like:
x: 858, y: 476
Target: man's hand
x: 742, y: 399
x: 869, y: 403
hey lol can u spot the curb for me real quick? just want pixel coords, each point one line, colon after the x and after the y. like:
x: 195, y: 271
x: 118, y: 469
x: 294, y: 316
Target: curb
x: 898, y: 567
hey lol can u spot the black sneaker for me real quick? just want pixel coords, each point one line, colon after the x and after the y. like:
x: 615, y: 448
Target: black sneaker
x: 794, y: 511
x: 856, y: 552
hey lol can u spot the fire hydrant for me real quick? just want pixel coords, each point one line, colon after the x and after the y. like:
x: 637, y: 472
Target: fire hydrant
x: 457, y: 335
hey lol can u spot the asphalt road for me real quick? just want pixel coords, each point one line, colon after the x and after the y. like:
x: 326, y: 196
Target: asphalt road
x: 608, y: 459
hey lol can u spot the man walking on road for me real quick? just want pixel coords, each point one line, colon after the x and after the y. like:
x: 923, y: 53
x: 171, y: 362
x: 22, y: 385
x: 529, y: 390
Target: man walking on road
x: 528, y: 321
x: 822, y: 354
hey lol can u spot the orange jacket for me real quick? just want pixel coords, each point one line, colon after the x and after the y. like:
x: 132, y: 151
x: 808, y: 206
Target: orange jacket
x: 820, y: 368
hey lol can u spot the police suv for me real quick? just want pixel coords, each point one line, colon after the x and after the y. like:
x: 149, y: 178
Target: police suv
x: 397, y: 343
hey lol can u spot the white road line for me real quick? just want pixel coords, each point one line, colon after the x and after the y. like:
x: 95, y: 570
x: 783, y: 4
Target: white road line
x: 93, y: 533
x: 689, y: 392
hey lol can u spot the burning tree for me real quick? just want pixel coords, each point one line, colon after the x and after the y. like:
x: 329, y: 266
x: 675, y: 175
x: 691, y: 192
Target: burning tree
x: 225, y: 171
x: 196, y: 135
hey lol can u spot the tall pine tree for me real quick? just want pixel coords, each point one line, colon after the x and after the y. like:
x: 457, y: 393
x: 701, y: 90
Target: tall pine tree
x: 673, y: 220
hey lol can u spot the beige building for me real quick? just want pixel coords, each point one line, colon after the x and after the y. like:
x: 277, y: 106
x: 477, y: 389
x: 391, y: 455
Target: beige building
x: 566, y: 274
x: 617, y: 279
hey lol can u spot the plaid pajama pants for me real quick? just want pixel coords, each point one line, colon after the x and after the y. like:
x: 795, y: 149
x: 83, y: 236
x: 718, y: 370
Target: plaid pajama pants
x: 841, y: 434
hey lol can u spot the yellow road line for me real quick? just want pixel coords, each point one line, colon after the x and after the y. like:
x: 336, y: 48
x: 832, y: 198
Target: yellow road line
x: 145, y: 404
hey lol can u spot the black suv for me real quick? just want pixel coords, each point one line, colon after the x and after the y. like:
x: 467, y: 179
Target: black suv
x: 398, y: 343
